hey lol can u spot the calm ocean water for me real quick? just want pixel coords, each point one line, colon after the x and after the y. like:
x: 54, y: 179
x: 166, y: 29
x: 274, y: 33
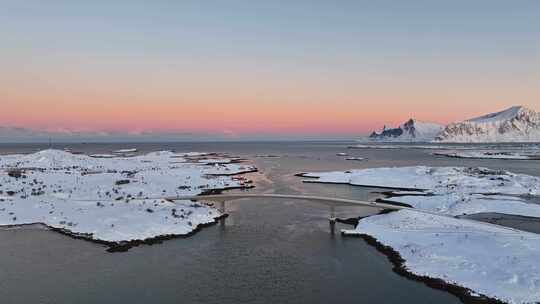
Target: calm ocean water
x: 266, y: 251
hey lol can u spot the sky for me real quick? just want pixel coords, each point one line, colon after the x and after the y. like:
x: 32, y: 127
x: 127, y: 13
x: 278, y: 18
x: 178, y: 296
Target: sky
x: 263, y: 69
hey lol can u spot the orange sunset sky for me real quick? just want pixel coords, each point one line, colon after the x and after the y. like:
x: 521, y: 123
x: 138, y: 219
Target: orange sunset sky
x: 260, y: 68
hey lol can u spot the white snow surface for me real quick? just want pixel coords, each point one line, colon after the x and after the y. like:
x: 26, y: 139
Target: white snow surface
x: 405, y: 146
x: 411, y: 131
x: 516, y: 124
x: 489, y: 260
x: 521, y: 147
x: 356, y: 158
x: 494, y: 154
x: 110, y: 199
x: 493, y: 261
x: 123, y: 151
x: 451, y: 190
x: 437, y: 179
x: 455, y: 203
x: 426, y: 131
x: 499, y: 116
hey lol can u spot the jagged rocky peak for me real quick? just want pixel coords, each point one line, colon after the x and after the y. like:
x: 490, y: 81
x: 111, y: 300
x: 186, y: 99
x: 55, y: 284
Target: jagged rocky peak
x: 411, y: 130
x: 515, y: 124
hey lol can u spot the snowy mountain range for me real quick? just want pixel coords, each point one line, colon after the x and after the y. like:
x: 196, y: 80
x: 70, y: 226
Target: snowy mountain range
x: 515, y: 124
x: 412, y: 130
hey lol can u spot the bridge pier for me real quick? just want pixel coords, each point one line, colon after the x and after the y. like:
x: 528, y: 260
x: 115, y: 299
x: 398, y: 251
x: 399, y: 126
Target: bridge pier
x: 332, y: 226
x: 332, y: 213
x: 332, y: 220
x: 222, y: 207
x: 331, y: 202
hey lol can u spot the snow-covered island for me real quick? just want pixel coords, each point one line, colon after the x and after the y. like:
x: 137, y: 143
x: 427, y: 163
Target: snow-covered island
x: 356, y: 158
x: 117, y: 201
x: 125, y: 151
x: 491, y: 154
x: 472, y: 259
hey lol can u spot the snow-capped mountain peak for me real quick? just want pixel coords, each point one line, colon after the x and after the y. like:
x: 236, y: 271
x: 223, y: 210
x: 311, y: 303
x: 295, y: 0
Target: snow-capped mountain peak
x: 411, y: 130
x: 502, y: 115
x: 515, y: 124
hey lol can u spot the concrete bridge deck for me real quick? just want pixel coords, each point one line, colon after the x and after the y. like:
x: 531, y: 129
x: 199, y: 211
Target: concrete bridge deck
x: 329, y: 201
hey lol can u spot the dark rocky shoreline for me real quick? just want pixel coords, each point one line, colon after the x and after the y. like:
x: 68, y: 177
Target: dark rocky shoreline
x: 464, y: 294
x: 126, y: 245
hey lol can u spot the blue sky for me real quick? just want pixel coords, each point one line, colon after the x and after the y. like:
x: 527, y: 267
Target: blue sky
x: 268, y: 63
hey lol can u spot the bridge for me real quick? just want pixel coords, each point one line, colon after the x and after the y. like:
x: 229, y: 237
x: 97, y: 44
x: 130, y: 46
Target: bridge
x: 331, y: 202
